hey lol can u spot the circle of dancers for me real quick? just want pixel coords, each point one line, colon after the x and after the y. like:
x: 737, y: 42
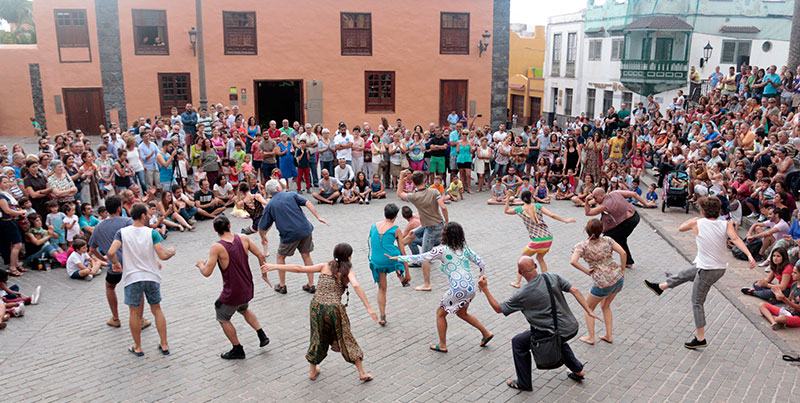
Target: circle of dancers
x: 135, y: 250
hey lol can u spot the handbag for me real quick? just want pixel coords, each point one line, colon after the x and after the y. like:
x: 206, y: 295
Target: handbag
x: 547, y: 350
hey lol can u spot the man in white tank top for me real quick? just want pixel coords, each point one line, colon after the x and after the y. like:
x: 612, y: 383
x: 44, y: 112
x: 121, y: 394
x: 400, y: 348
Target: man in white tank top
x: 710, y: 263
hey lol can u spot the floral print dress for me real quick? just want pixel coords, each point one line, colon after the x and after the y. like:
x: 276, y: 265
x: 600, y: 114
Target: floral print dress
x: 598, y: 254
x: 455, y: 264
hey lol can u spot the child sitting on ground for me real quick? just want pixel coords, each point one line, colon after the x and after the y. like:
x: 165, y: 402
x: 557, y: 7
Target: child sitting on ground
x: 455, y: 190
x: 564, y: 191
x: 498, y: 193
x: 437, y: 184
x: 378, y: 191
x: 348, y: 195
x: 12, y: 295
x: 79, y: 264
x: 542, y: 194
x: 157, y: 221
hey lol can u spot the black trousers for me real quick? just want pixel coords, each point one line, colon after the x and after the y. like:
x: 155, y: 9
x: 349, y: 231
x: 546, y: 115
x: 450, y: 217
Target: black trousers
x: 521, y: 347
x: 621, y: 232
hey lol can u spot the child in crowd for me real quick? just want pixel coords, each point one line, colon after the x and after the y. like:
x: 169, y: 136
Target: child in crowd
x: 564, y: 191
x: 348, y: 195
x: 542, y: 194
x: 102, y: 213
x: 79, y: 264
x: 498, y: 193
x: 70, y: 222
x: 303, y: 167
x: 198, y: 176
x: 652, y: 196
x: 223, y: 190
x: 378, y: 191
x: 55, y: 220
x: 12, y: 295
x: 455, y: 190
x: 26, y: 205
x: 437, y: 184
x: 157, y: 221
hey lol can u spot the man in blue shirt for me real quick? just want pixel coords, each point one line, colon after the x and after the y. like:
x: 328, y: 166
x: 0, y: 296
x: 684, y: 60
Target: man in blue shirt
x: 189, y: 120
x: 87, y: 221
x: 714, y: 78
x: 284, y: 210
x: 773, y: 83
x: 452, y: 118
x: 455, y: 136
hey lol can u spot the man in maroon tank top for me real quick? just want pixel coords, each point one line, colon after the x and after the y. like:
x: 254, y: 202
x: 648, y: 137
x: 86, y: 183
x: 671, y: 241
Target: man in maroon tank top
x: 237, y: 282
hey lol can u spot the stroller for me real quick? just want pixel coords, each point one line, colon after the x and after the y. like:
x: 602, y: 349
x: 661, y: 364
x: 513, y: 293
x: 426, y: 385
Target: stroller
x: 676, y: 191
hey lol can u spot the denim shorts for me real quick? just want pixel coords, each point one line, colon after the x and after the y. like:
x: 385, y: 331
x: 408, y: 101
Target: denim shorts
x: 430, y: 235
x: 607, y: 291
x: 150, y: 289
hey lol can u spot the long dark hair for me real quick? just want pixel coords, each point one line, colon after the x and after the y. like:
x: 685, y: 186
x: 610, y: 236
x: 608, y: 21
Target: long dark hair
x: 453, y: 236
x: 341, y: 265
x: 776, y: 270
x: 526, y: 196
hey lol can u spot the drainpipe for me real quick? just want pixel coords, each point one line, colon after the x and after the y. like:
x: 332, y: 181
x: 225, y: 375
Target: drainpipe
x: 201, y: 60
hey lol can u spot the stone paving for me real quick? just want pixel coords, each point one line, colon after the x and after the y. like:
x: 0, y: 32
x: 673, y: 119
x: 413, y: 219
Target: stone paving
x: 62, y: 349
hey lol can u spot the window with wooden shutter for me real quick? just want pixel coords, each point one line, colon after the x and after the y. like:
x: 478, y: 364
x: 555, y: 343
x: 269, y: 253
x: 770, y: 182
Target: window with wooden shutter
x: 239, y: 30
x: 174, y: 90
x: 150, y: 32
x: 379, y: 91
x: 595, y: 49
x: 356, y: 31
x: 454, y: 34
x: 71, y: 29
x: 616, y: 48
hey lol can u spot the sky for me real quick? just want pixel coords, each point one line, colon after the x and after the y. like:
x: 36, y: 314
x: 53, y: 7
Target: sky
x: 536, y: 12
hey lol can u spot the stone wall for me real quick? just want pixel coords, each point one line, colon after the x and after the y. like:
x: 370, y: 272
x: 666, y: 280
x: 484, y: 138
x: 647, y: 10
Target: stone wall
x: 37, y: 95
x: 108, y: 44
x: 500, y: 49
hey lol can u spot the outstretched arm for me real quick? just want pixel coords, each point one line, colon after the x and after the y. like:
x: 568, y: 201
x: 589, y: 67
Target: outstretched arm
x: 422, y: 258
x: 556, y: 216
x: 474, y: 258
x: 164, y: 254
x: 294, y: 268
x: 484, y: 286
x: 360, y: 292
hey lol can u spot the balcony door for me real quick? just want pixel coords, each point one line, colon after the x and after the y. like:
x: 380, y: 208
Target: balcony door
x: 663, y: 49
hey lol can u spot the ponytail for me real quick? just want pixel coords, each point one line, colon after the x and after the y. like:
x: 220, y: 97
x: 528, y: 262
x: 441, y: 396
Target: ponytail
x: 594, y: 228
x: 341, y: 265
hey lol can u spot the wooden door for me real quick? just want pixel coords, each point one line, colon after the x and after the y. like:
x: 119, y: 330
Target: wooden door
x: 452, y: 97
x: 174, y: 90
x: 84, y: 109
x: 518, y: 107
x: 536, y: 110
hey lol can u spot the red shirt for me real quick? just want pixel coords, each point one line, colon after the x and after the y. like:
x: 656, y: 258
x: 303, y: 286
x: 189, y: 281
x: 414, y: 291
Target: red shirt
x: 274, y: 133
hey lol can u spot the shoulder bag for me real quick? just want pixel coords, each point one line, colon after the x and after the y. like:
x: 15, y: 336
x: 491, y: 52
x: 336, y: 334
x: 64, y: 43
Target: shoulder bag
x: 547, y: 350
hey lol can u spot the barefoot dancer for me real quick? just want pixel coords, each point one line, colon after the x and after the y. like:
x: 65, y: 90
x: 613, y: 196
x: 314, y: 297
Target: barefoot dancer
x: 382, y: 238
x: 541, y: 237
x: 711, y: 236
x: 455, y: 257
x: 607, y: 276
x: 237, y: 283
x: 330, y: 325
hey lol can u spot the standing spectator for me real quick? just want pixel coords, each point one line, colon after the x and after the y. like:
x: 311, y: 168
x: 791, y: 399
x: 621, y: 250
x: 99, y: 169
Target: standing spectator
x: 343, y: 143
x: 36, y: 188
x: 189, y: 122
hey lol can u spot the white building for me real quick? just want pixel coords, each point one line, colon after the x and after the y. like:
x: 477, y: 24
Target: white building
x: 629, y: 49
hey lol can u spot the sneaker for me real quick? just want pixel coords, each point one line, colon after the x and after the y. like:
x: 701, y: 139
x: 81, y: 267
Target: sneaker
x: 281, y: 289
x: 753, y: 215
x: 761, y: 218
x: 695, y: 343
x: 654, y: 287
x: 764, y: 263
x: 89, y: 277
x: 36, y: 295
x: 18, y: 310
x: 234, y: 354
x: 113, y: 322
x: 767, y: 269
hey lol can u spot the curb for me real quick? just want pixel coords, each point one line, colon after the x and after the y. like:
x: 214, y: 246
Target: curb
x: 756, y: 320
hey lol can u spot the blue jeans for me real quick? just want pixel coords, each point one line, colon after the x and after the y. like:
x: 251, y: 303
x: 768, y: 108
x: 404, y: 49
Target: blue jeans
x: 429, y: 236
x: 188, y: 213
x: 47, y: 250
x: 312, y: 158
x: 139, y: 177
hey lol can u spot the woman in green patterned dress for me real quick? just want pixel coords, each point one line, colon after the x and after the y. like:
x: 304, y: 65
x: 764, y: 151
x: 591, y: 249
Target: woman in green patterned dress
x: 330, y: 326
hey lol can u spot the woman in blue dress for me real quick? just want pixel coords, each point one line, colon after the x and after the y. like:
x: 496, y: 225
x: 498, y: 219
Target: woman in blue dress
x: 455, y: 257
x: 382, y: 239
x: 288, y: 169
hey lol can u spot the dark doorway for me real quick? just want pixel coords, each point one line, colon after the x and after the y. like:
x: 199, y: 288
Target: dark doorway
x: 452, y: 97
x: 518, y: 107
x: 536, y: 110
x: 84, y: 109
x: 277, y: 100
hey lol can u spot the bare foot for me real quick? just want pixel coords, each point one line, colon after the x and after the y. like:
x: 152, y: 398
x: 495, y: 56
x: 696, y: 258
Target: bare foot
x: 422, y: 288
x: 514, y: 284
x: 314, y: 373
x: 607, y: 339
x: 587, y: 340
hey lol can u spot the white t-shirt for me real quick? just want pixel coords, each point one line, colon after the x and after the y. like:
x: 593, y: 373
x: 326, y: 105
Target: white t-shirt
x: 223, y: 191
x: 74, y: 259
x: 346, y: 153
x: 76, y: 228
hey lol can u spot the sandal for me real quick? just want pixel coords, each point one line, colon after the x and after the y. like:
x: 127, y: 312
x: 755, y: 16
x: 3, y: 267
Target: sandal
x: 435, y: 347
x: 749, y: 291
x: 14, y: 272
x: 486, y: 340
x: 382, y: 322
x: 163, y: 352
x: 365, y: 378
x: 513, y: 384
x: 132, y: 351
x: 309, y: 289
x: 789, y: 358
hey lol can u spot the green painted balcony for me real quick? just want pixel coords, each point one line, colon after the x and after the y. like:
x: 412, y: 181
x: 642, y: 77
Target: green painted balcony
x: 653, y: 76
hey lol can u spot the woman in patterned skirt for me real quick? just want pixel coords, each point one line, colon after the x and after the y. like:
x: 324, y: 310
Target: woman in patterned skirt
x: 330, y: 326
x: 541, y: 237
x: 455, y: 256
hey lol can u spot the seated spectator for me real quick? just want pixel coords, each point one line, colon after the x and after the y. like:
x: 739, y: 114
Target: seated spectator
x: 790, y: 315
x: 208, y: 206
x: 377, y: 189
x: 87, y: 221
x: 328, y: 189
x: 344, y: 172
x: 362, y: 188
x: 511, y: 180
x: 542, y: 194
x: 223, y: 191
x: 773, y: 229
x: 564, y: 191
x: 80, y: 265
x: 455, y: 190
x: 348, y: 193
x: 498, y: 191
x: 780, y: 270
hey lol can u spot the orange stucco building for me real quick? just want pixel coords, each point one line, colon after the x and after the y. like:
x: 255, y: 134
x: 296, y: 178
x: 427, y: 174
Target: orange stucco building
x: 99, y: 61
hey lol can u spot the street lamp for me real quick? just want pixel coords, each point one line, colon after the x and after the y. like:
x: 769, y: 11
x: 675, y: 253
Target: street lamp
x: 706, y: 53
x: 193, y: 40
x: 483, y: 44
